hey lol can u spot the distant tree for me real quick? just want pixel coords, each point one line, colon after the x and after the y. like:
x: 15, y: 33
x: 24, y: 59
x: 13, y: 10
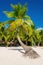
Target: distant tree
x: 39, y: 36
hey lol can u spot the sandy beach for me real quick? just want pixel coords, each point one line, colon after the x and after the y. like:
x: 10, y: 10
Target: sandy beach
x: 11, y: 56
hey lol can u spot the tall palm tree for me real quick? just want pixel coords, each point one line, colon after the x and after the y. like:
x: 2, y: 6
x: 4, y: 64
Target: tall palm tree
x: 23, y: 21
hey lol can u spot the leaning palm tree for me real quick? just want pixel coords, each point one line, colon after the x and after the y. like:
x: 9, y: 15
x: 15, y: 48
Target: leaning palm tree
x: 23, y: 21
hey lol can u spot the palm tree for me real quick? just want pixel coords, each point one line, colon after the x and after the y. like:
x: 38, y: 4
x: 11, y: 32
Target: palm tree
x: 2, y: 28
x: 23, y: 21
x: 4, y: 34
x: 39, y: 36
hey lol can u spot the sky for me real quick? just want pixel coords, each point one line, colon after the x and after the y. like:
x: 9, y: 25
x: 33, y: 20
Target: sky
x: 35, y: 10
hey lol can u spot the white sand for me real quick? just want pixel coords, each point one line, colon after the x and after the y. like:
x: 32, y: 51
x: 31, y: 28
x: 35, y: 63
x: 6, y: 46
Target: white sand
x: 9, y: 56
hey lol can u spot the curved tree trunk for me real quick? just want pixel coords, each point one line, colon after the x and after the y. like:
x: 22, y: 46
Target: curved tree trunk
x: 28, y: 50
x: 22, y: 44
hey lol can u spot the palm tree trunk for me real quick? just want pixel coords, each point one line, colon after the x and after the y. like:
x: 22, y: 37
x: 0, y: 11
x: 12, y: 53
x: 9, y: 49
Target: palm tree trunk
x: 39, y: 43
x: 22, y: 44
x: 28, y: 50
x: 26, y: 43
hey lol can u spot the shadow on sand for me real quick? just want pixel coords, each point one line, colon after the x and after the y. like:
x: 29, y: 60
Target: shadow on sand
x: 20, y: 50
x: 32, y: 54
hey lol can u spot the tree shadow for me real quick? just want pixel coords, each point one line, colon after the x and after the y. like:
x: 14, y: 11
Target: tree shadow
x: 20, y: 50
x: 31, y: 53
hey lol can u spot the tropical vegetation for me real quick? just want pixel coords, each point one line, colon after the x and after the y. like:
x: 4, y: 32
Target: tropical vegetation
x: 20, y: 25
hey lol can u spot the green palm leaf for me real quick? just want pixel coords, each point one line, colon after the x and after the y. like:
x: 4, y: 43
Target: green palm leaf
x: 9, y: 14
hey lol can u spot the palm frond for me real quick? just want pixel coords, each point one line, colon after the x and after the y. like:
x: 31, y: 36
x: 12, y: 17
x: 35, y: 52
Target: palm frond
x: 9, y: 14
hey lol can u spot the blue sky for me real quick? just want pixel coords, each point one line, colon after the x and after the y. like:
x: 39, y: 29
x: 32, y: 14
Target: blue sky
x: 35, y: 10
